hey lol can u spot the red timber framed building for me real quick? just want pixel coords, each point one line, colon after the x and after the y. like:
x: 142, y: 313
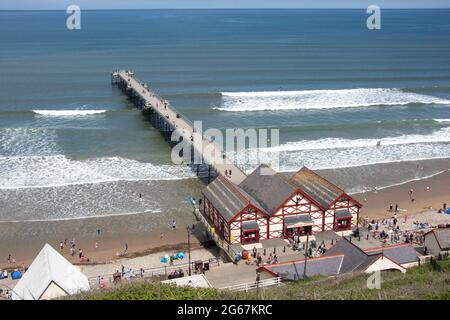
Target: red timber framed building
x: 267, y: 205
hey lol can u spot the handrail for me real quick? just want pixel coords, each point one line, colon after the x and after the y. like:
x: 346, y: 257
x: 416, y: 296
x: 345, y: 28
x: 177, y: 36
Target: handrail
x: 150, y: 271
x: 254, y: 285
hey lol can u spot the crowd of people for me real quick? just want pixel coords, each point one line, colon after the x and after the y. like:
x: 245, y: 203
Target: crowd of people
x: 313, y: 250
x: 389, y: 230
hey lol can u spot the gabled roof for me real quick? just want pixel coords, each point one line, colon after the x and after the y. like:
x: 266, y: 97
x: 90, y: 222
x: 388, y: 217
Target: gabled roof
x: 442, y: 236
x: 228, y: 198
x: 268, y: 187
x: 49, y: 267
x: 401, y: 254
x: 355, y: 259
x: 316, y: 187
x: 294, y: 270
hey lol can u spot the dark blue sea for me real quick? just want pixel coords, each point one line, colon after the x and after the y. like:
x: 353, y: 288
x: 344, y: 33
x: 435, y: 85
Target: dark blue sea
x: 72, y: 146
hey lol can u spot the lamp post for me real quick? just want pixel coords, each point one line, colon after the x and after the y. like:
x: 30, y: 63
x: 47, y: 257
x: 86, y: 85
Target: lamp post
x: 306, y: 255
x: 258, y: 278
x: 189, y: 248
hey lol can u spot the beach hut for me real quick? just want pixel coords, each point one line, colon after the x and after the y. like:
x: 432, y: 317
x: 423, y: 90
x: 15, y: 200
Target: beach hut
x: 50, y: 276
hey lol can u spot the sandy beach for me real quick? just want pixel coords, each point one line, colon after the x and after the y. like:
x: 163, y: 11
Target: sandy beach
x: 428, y: 195
x: 142, y: 232
x: 112, y: 247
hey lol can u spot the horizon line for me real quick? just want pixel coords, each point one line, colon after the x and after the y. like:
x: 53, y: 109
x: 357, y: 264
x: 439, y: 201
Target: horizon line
x: 226, y: 8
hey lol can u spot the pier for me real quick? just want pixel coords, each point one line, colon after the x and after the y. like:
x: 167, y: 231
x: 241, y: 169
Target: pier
x: 167, y: 119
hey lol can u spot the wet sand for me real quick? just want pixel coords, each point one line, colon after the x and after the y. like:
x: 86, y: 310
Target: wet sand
x: 428, y: 194
x: 141, y: 231
x: 112, y: 246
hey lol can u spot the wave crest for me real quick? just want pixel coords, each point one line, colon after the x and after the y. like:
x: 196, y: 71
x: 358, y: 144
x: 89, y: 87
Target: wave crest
x: 52, y: 171
x: 321, y: 99
x: 67, y: 113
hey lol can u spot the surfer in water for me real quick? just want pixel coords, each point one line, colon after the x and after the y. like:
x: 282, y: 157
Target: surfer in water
x: 379, y: 143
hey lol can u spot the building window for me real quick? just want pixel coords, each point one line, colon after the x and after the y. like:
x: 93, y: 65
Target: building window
x: 250, y: 236
x: 343, y: 224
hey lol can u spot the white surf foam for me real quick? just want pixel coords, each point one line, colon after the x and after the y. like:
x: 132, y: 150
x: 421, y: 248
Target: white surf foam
x: 442, y: 135
x: 321, y: 99
x: 340, y: 153
x: 52, y: 171
x: 442, y: 120
x: 67, y: 113
x: 28, y: 142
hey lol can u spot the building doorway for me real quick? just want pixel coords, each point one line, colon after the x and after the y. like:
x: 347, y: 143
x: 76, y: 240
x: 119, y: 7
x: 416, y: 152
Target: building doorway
x: 300, y: 231
x: 343, y: 224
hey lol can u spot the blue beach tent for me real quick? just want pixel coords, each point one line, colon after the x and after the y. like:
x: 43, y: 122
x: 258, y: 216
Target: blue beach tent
x: 16, y: 275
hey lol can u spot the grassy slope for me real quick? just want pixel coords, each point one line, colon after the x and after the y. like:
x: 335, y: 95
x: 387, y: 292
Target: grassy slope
x: 425, y: 282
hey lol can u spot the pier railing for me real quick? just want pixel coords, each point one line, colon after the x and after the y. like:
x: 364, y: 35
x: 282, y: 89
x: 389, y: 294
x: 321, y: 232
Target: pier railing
x: 169, y: 119
x: 159, y: 273
x: 254, y: 285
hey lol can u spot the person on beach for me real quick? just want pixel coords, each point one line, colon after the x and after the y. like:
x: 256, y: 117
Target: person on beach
x: 174, y: 224
x: 396, y: 207
x: 96, y: 245
x: 126, y: 247
x: 61, y: 246
x: 98, y: 232
x: 80, y: 253
x: 391, y: 207
x: 72, y: 251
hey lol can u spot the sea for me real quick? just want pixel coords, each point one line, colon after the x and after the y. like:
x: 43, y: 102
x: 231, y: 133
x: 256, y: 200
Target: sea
x: 73, y: 147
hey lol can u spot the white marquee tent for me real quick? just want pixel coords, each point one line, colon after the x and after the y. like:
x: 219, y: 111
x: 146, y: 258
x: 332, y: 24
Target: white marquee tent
x: 50, y: 276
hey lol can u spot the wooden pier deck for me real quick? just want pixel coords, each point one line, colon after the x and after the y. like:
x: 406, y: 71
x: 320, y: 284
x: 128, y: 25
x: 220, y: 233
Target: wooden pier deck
x: 167, y: 119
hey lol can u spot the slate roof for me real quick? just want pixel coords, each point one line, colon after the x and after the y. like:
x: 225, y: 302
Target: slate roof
x: 400, y: 254
x: 443, y: 237
x: 318, y: 188
x: 303, y: 218
x: 355, y: 259
x: 343, y: 213
x: 270, y: 189
x: 250, y: 225
x: 228, y: 198
x: 326, y: 266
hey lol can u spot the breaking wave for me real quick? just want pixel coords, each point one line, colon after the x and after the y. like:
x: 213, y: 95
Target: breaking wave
x: 329, y: 153
x: 321, y: 99
x: 67, y: 113
x: 52, y: 171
